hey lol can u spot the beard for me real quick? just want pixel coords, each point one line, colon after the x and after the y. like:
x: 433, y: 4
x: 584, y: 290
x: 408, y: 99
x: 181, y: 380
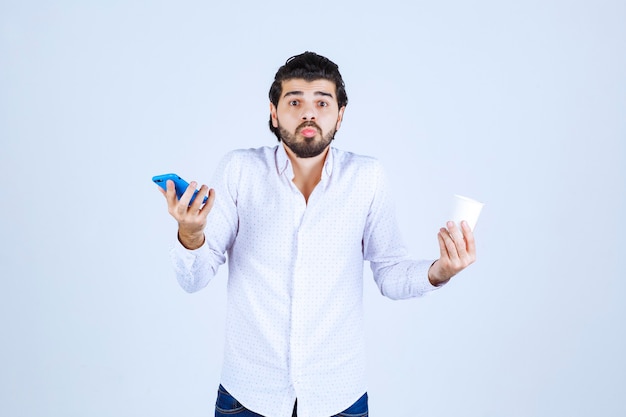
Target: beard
x: 304, y: 147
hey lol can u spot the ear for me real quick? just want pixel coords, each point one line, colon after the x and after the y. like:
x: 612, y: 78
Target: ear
x: 273, y: 115
x: 340, y: 117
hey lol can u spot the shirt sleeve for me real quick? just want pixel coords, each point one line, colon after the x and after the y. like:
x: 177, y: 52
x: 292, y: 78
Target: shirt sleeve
x: 194, y: 269
x: 396, y: 274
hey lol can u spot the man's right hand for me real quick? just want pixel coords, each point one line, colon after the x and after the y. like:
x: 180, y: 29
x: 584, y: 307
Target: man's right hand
x: 191, y: 218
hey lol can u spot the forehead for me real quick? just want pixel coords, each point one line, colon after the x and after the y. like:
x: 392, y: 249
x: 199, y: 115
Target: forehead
x: 302, y: 86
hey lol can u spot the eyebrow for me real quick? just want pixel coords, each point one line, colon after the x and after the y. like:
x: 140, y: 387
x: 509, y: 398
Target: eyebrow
x: 300, y: 93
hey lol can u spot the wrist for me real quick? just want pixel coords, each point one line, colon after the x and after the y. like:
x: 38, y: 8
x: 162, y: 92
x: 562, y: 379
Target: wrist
x: 191, y: 241
x: 433, y: 277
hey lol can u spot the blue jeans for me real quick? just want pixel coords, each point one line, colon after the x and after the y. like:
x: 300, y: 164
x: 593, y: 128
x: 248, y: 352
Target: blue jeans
x: 226, y: 405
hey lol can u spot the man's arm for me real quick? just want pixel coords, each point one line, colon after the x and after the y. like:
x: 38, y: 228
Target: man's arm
x: 396, y: 275
x: 204, y: 238
x: 190, y: 256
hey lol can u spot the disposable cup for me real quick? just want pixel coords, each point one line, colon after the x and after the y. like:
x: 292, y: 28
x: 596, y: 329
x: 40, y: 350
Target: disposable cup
x: 467, y: 209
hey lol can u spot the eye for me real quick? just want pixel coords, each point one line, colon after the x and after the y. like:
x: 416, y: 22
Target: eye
x: 293, y: 103
x: 323, y: 104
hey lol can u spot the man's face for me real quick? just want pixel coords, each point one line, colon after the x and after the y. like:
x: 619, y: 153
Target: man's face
x: 307, y: 115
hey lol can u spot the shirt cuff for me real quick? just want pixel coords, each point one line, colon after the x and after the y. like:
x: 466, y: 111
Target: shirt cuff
x: 421, y: 269
x: 187, y: 257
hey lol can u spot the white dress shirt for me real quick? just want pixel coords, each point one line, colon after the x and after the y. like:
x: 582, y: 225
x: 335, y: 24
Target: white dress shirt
x: 295, y: 287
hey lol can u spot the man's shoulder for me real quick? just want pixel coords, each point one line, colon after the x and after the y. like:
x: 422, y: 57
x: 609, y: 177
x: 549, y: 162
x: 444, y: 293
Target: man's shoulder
x: 349, y: 159
x: 252, y: 153
x: 250, y: 156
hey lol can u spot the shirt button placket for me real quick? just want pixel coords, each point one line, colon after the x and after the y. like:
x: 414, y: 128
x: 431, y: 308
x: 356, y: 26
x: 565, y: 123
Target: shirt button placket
x: 297, y: 298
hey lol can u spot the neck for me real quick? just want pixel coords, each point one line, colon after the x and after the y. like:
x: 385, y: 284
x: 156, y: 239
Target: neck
x: 307, y: 167
x: 307, y: 171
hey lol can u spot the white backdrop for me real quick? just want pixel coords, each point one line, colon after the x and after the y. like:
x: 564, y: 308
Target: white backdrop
x: 520, y: 104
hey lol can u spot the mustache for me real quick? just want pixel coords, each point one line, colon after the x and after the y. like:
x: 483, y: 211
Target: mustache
x: 309, y: 124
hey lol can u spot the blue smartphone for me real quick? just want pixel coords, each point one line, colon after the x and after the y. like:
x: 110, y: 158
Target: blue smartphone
x: 179, y: 183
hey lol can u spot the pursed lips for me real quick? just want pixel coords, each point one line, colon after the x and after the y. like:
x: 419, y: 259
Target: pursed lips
x: 309, y: 130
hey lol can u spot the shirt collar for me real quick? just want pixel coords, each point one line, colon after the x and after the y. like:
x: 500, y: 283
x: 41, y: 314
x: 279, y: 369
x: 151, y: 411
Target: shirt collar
x: 283, y: 162
x: 328, y: 164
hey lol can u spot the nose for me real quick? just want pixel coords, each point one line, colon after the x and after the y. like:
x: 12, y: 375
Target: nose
x: 308, y: 112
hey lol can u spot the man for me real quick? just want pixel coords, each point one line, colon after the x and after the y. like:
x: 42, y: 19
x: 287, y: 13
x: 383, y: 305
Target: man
x: 297, y: 221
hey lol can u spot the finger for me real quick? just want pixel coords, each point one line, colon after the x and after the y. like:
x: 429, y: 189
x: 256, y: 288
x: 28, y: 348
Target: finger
x: 170, y: 194
x: 458, y: 238
x: 186, y: 197
x: 443, y: 250
x: 197, y: 203
x: 162, y: 191
x: 454, y: 231
x: 209, y: 203
x: 449, y: 244
x: 469, y: 239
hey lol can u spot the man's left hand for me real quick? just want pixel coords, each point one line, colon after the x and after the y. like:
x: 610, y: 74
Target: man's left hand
x: 458, y: 251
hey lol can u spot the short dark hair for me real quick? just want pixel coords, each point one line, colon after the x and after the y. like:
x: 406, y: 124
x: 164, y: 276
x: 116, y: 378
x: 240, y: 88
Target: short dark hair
x: 310, y: 67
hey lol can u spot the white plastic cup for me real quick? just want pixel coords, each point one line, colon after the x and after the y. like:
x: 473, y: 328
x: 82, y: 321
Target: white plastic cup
x: 467, y: 209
